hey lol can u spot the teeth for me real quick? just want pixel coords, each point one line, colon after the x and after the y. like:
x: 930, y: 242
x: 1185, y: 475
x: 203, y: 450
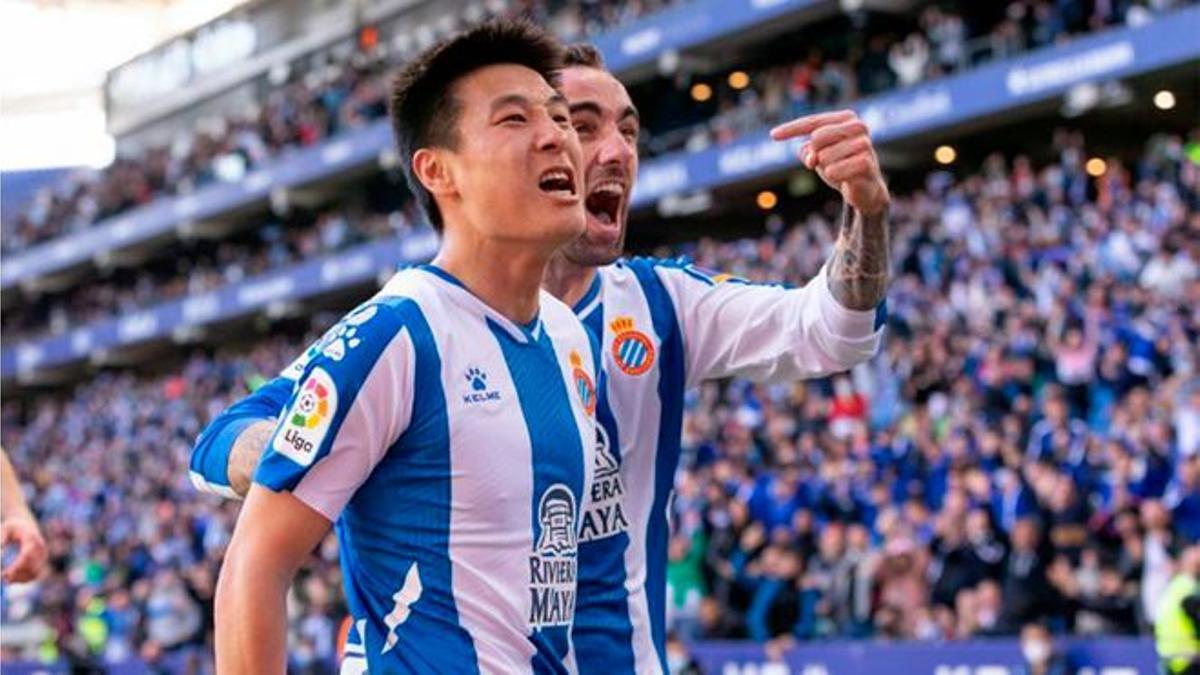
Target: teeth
x: 612, y: 188
x: 556, y: 175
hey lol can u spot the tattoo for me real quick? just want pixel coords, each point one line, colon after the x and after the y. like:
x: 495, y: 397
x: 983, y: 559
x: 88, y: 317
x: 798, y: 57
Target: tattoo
x: 858, y: 271
x: 247, y: 449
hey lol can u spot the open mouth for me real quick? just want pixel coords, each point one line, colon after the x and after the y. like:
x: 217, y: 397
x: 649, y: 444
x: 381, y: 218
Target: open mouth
x: 604, y: 201
x: 558, y: 181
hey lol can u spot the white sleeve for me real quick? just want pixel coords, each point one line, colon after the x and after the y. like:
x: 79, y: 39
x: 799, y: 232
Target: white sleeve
x: 348, y: 408
x: 766, y: 333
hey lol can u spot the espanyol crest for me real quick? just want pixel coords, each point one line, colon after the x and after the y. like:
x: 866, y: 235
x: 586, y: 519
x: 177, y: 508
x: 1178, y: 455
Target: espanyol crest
x: 631, y: 348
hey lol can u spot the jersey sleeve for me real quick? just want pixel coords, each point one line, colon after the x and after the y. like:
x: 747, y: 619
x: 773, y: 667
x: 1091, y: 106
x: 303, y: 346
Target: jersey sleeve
x: 209, y: 467
x: 766, y: 333
x: 352, y: 402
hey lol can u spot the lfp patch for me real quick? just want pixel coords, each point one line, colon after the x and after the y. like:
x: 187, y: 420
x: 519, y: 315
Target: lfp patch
x: 631, y: 349
x: 308, y: 420
x: 583, y: 384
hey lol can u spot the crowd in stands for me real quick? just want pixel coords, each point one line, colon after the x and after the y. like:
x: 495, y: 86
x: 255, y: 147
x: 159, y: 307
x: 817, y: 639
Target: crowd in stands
x: 947, y: 38
x: 1025, y: 448
x: 295, y: 239
x: 306, y: 108
x: 314, y: 104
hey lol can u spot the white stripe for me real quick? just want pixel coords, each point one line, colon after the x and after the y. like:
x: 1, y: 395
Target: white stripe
x: 589, y: 308
x: 638, y: 412
x: 203, y: 485
x: 491, y: 480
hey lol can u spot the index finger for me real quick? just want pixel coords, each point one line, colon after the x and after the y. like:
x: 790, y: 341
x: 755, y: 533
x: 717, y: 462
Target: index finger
x: 809, y: 123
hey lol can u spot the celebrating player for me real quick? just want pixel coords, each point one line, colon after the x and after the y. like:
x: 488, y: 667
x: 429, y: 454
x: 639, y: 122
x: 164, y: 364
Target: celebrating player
x: 664, y: 326
x: 446, y: 427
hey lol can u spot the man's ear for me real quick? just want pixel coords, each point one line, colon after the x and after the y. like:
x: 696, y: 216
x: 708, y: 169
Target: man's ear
x: 430, y: 167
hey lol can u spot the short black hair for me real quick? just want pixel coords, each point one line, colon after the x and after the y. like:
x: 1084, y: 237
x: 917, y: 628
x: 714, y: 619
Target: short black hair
x: 583, y: 54
x: 423, y: 110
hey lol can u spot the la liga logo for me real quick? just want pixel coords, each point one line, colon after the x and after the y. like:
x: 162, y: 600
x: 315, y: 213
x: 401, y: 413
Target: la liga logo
x: 312, y: 406
x: 309, y: 419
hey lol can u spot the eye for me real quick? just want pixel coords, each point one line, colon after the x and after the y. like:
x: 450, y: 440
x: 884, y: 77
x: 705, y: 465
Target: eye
x: 561, y: 119
x: 584, y: 128
x: 630, y: 134
x: 515, y: 117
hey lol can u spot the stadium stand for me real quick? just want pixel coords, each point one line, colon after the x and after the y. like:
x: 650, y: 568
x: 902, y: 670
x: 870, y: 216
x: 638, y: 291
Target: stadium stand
x: 316, y: 105
x: 1024, y: 450
x: 1029, y: 405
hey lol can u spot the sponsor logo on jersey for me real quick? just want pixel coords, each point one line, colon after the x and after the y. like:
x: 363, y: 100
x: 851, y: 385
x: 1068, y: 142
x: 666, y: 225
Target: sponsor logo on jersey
x: 308, y: 420
x: 553, y: 566
x: 604, y: 514
x: 631, y: 349
x: 583, y: 384
x: 336, y: 341
x: 478, y: 392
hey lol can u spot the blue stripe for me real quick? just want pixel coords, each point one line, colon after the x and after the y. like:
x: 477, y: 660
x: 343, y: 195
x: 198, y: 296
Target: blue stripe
x: 592, y: 291
x: 603, y: 633
x: 441, y: 274
x: 670, y: 394
x: 881, y: 314
x: 557, y: 457
x: 639, y: 354
x: 698, y: 276
x: 378, y: 542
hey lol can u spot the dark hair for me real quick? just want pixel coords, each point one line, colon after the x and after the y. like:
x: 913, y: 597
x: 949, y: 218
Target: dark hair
x: 583, y: 54
x: 423, y: 108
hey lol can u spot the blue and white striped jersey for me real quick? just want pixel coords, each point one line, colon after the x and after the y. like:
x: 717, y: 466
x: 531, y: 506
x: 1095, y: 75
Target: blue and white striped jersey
x: 663, y: 326
x: 453, y: 450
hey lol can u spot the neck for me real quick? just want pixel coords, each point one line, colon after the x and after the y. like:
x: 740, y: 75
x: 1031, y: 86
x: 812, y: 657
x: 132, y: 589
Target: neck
x: 566, y: 280
x: 506, y: 275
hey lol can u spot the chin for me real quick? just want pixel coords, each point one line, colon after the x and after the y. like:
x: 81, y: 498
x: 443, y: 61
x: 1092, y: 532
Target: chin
x: 582, y: 252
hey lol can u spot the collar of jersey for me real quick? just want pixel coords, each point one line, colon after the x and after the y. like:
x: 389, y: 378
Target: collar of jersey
x: 590, y: 300
x: 528, y: 333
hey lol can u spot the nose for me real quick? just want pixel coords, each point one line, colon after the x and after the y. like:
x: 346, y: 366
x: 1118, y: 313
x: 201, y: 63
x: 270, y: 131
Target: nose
x: 615, y: 149
x: 551, y: 135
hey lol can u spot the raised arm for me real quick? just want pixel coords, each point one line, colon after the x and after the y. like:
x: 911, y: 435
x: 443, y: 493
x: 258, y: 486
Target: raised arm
x: 839, y: 149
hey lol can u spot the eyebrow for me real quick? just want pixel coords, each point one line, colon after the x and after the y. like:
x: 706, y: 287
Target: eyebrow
x: 594, y: 108
x: 523, y: 101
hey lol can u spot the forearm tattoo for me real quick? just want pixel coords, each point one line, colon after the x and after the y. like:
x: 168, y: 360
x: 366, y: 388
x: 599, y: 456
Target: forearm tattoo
x: 247, y: 450
x: 858, y: 270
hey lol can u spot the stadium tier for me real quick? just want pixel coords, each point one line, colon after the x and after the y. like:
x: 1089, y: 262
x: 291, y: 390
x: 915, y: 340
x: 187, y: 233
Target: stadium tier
x: 980, y: 96
x: 1018, y: 466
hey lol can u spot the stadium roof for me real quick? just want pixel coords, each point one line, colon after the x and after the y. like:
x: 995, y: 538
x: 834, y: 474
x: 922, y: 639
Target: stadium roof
x: 53, y: 58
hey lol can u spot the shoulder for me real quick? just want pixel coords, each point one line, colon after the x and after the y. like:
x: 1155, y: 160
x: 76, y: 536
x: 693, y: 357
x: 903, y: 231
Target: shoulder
x: 678, y: 270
